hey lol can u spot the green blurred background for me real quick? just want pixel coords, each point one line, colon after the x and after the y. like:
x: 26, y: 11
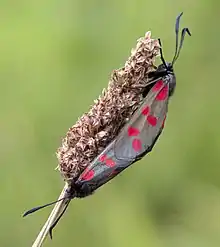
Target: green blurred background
x: 55, y: 58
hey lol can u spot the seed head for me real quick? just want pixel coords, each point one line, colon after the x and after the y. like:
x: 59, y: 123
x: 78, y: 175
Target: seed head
x: 101, y: 124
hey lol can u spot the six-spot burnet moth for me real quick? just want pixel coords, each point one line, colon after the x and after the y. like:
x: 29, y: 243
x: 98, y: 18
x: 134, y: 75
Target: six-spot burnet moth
x: 133, y: 142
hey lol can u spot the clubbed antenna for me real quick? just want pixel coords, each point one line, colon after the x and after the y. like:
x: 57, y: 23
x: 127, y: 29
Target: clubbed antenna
x: 184, y: 31
x: 40, y: 207
x: 178, y: 46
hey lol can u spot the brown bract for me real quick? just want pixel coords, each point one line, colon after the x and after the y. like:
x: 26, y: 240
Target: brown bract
x: 98, y: 127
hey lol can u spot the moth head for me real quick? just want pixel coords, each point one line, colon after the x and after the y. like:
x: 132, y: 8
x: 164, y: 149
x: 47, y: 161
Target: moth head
x: 167, y: 72
x: 164, y: 69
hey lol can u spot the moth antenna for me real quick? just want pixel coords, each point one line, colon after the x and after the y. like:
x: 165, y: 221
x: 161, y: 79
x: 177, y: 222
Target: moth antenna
x: 184, y: 31
x: 58, y: 210
x: 40, y: 207
x: 177, y: 26
x: 161, y: 54
x: 57, y: 220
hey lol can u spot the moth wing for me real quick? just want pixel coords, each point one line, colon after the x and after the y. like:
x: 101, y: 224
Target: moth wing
x: 119, y: 154
x: 102, y: 169
x: 139, y: 135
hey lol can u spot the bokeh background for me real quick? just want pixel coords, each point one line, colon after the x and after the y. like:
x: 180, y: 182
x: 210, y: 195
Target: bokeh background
x: 55, y: 58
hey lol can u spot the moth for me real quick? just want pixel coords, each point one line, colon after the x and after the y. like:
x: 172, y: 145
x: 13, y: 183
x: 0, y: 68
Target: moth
x: 135, y: 140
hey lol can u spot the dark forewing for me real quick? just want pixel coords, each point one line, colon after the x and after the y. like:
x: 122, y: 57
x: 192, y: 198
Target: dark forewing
x: 139, y: 134
x: 135, y: 140
x: 102, y: 169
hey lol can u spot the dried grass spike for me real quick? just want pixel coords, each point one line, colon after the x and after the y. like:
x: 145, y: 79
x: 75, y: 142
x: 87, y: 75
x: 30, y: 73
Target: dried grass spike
x: 98, y: 127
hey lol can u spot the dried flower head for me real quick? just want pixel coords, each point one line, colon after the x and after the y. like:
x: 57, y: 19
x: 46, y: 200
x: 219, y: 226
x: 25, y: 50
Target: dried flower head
x: 98, y: 127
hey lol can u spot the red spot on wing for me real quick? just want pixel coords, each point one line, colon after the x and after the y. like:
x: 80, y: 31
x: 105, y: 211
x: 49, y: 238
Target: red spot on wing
x: 103, y: 157
x: 158, y: 86
x: 110, y: 162
x: 136, y: 145
x: 162, y: 95
x: 146, y: 110
x: 88, y: 175
x: 152, y: 120
x: 133, y: 131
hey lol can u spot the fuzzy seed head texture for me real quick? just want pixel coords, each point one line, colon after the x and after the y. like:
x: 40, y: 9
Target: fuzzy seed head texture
x: 100, y: 125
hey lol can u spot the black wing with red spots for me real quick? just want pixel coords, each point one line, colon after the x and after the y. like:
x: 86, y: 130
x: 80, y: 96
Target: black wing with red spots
x: 146, y: 124
x: 135, y: 139
x: 102, y: 169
